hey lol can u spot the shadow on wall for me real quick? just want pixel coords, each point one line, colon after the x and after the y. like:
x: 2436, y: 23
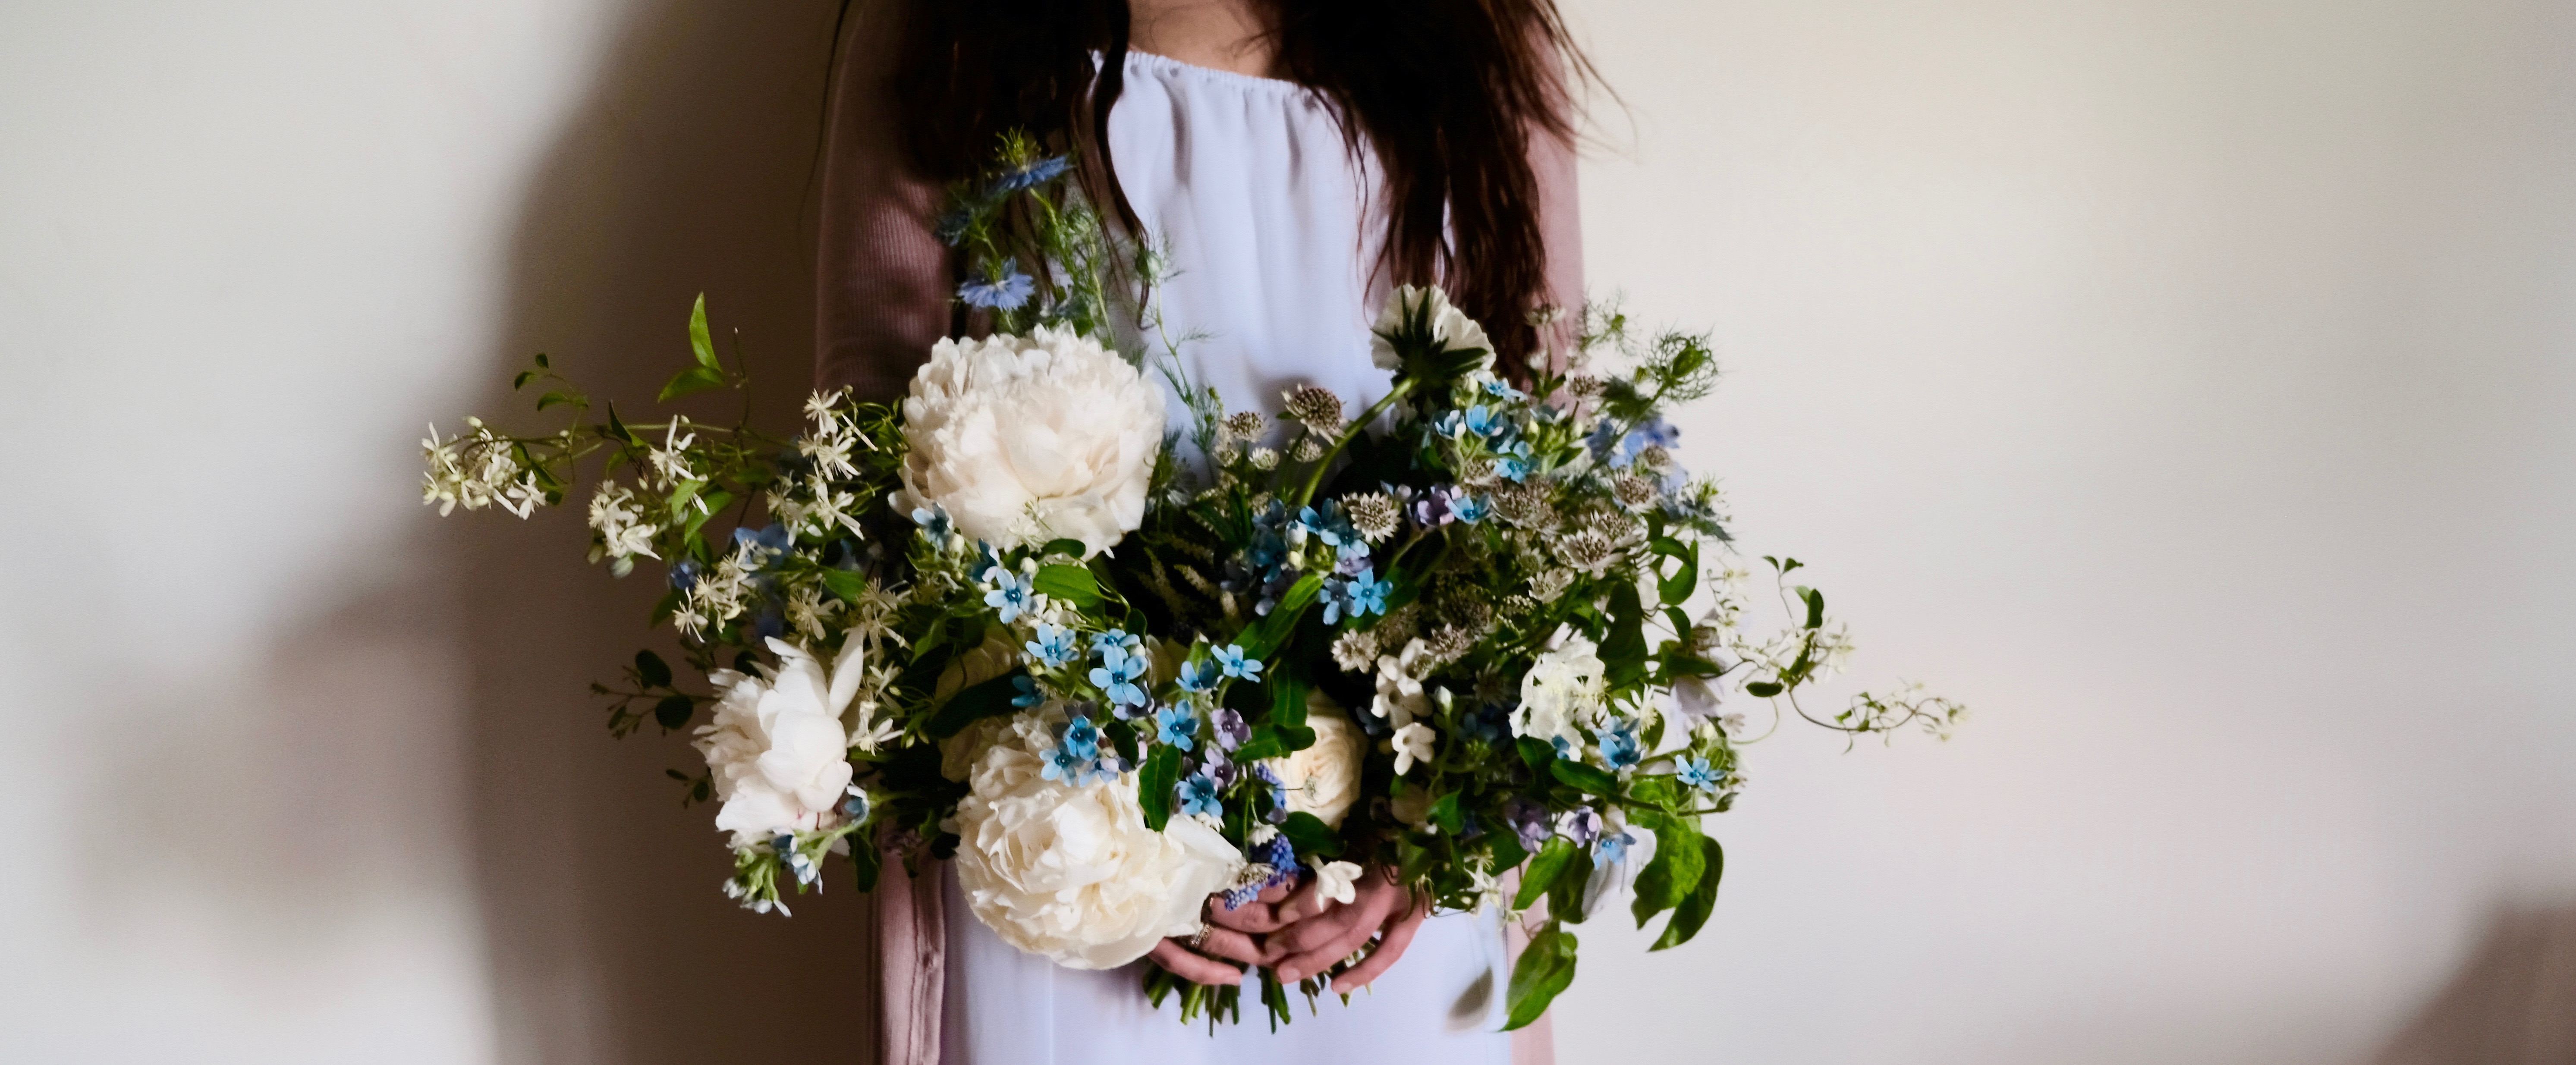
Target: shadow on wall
x: 2514, y: 1003
x: 689, y: 169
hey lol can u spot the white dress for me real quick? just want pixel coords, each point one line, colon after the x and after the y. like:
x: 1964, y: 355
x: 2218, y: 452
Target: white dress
x: 1270, y: 226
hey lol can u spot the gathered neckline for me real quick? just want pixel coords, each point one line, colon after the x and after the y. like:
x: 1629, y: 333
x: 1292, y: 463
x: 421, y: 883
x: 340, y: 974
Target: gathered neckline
x: 1248, y: 81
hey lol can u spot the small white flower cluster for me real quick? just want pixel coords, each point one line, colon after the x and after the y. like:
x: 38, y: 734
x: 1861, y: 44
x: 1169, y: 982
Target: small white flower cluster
x: 619, y: 520
x: 477, y: 471
x: 813, y: 505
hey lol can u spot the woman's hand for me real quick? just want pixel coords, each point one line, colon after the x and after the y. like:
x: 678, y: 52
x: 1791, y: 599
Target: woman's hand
x: 1230, y: 934
x: 1314, y: 932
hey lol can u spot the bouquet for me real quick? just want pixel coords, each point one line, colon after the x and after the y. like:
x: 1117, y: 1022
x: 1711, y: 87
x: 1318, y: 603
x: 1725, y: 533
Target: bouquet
x: 1484, y: 634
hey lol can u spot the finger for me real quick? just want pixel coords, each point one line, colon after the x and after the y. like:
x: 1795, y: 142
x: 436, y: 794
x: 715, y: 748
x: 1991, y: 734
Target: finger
x: 1226, y: 943
x: 1172, y: 956
x: 1252, y: 917
x: 1278, y: 891
x: 1365, y: 919
x: 1307, y: 904
x: 1399, y: 935
x: 1314, y: 932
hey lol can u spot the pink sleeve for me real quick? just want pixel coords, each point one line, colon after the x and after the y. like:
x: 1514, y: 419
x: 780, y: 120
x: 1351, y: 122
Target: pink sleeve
x: 883, y: 277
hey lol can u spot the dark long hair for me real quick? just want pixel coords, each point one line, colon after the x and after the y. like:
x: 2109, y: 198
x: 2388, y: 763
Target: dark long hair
x: 1446, y: 93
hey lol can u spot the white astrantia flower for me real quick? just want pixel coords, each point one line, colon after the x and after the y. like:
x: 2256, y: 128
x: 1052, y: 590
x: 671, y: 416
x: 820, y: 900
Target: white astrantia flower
x: 1449, y: 326
x: 1071, y: 873
x: 1414, y: 743
x: 776, y: 751
x: 1324, y: 778
x: 1337, y: 881
x: 1025, y: 440
x: 1563, y: 692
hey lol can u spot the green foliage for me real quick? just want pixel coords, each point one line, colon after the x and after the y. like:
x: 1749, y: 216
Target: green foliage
x: 1545, y: 970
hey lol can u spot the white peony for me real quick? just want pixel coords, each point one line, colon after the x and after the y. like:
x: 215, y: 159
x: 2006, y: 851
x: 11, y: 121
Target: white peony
x: 1563, y: 692
x: 778, y: 756
x: 1324, y: 779
x: 1449, y: 326
x: 1025, y: 440
x: 1072, y: 874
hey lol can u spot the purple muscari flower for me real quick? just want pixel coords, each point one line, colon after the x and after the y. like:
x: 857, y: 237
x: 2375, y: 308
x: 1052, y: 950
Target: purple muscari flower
x: 1279, y: 853
x: 1229, y: 728
x: 1581, y: 824
x: 1529, y: 821
x: 1278, y: 793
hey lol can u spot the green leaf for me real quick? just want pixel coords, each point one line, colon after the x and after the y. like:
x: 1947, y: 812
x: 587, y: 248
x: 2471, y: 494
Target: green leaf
x: 1155, y: 784
x: 1444, y: 813
x: 1538, y: 753
x: 700, y: 344
x: 618, y: 431
x: 1761, y: 689
x: 1310, y: 835
x: 521, y: 381
x: 1546, y: 968
x: 674, y: 712
x: 1263, y: 743
x: 690, y: 381
x: 1062, y: 547
x: 1694, y: 909
x: 1669, y: 878
x: 1543, y: 871
x: 1623, y: 648
x: 559, y: 399
x: 846, y: 585
x: 1589, y: 779
x: 654, y: 672
x: 1678, y: 587
x: 869, y: 860
x: 1073, y: 584
x: 976, y: 702
x: 542, y: 364
x: 1815, y: 606
x: 1565, y: 897
x: 1260, y: 639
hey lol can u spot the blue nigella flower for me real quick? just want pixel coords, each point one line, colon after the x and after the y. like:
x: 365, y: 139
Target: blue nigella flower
x: 1200, y: 675
x: 1054, y: 645
x: 1199, y: 796
x: 1028, y: 692
x: 1029, y: 175
x: 1231, y: 658
x: 1177, y: 726
x: 1011, y: 595
x: 1008, y: 290
x: 1697, y: 773
x: 1619, y: 746
x: 1117, y: 674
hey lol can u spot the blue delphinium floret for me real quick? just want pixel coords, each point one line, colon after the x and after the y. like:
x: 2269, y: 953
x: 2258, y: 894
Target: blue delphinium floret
x: 1176, y: 725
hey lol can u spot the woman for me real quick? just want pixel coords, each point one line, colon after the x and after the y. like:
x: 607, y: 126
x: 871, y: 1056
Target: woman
x: 1297, y: 158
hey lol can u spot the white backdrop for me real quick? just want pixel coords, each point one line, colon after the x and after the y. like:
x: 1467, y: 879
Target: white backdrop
x: 2188, y: 385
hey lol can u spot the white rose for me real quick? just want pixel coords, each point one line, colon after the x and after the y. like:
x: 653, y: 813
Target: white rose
x: 1324, y: 779
x: 1449, y: 326
x: 1025, y: 440
x: 776, y: 751
x: 1072, y: 874
x: 1562, y: 692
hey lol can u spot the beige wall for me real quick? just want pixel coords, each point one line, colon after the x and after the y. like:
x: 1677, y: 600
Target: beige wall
x: 2186, y: 385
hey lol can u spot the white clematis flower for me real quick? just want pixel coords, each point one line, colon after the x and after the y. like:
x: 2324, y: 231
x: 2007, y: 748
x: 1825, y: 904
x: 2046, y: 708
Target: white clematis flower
x: 1025, y: 440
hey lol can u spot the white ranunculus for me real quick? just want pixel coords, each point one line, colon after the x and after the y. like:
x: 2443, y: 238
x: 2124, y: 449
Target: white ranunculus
x: 776, y: 751
x: 1324, y: 779
x: 1562, y: 693
x: 1449, y: 325
x: 1030, y: 439
x: 1072, y: 873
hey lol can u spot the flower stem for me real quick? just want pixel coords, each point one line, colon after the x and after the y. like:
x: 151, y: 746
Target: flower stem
x: 1360, y: 425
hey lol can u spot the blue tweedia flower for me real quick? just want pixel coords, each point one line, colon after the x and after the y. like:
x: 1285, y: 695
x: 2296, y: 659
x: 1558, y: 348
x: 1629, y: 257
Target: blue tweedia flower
x: 763, y: 545
x: 1612, y: 847
x: 1117, y: 674
x: 1200, y: 675
x: 1619, y: 746
x: 1028, y: 692
x: 1029, y: 175
x: 1199, y: 796
x: 1080, y: 738
x: 1326, y: 522
x: 986, y: 563
x: 1010, y: 595
x: 1357, y: 597
x: 935, y: 524
x: 1062, y: 765
x: 1472, y: 509
x: 1503, y: 390
x: 1697, y: 773
x: 856, y: 805
x: 1512, y: 462
x: 1176, y: 725
x: 1007, y: 290
x: 1101, y: 643
x: 1054, y: 645
x: 1490, y: 722
x: 797, y: 863
x: 1231, y: 659
x: 684, y: 574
